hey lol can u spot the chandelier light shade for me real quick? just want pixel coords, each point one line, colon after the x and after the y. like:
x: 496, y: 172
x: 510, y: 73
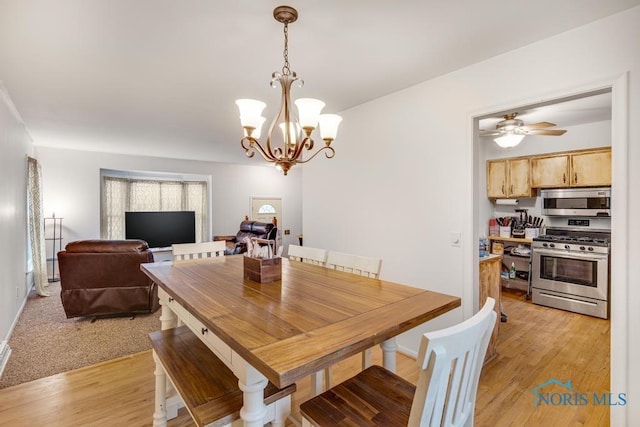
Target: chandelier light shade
x: 296, y: 126
x: 509, y: 140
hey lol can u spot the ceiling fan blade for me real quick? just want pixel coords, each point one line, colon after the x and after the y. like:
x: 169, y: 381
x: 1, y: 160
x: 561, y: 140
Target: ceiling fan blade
x: 538, y: 125
x: 551, y: 132
x: 483, y: 132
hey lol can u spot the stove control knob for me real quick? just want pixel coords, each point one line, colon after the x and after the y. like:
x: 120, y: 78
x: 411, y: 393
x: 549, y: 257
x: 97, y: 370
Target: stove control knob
x: 544, y: 245
x: 590, y: 248
x: 567, y: 247
x: 582, y: 248
x: 552, y: 245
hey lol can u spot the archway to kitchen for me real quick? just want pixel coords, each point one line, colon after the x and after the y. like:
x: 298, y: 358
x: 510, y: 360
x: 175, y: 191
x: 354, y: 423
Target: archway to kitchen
x: 619, y: 143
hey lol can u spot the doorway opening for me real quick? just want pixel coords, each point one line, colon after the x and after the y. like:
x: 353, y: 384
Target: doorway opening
x: 619, y: 88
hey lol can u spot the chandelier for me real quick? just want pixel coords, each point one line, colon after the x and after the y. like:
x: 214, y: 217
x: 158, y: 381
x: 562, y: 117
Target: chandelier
x: 296, y: 128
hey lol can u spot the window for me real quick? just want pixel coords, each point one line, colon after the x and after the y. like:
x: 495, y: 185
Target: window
x: 267, y: 209
x: 125, y: 194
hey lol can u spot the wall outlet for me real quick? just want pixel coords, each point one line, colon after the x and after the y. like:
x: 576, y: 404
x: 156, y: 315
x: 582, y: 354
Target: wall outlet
x: 287, y: 232
x: 17, y: 291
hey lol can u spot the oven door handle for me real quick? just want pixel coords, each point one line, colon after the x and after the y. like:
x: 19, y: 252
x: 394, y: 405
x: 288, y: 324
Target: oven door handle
x: 579, y: 255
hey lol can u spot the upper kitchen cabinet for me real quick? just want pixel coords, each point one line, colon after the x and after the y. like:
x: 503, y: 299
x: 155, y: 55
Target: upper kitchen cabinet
x: 508, y: 178
x: 591, y: 169
x: 550, y: 171
x: 585, y: 168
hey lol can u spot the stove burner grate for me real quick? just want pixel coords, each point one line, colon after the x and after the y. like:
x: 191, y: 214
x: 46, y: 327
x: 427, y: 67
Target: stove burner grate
x: 574, y: 239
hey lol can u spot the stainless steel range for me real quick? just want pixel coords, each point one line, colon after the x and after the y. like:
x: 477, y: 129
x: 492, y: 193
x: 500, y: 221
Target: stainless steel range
x: 570, y: 268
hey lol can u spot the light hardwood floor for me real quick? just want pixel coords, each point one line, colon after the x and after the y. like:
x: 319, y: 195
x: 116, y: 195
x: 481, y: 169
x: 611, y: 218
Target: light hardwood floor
x: 535, y: 345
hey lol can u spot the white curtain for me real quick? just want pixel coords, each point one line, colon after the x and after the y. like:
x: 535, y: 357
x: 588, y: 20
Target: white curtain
x: 36, y: 227
x: 134, y: 195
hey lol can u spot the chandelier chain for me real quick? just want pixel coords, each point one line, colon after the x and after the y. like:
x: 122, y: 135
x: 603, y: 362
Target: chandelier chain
x: 286, y: 69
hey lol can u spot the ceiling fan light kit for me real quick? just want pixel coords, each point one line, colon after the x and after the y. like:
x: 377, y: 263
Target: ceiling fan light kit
x: 511, y: 131
x: 296, y: 130
x: 509, y: 140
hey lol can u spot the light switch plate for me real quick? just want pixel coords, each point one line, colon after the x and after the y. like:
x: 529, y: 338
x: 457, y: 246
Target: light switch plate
x: 455, y: 238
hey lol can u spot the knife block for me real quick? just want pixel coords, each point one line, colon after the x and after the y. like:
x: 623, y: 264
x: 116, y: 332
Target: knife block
x: 262, y: 270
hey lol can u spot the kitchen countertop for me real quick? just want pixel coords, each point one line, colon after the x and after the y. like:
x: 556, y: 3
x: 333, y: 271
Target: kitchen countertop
x: 511, y: 239
x: 489, y: 257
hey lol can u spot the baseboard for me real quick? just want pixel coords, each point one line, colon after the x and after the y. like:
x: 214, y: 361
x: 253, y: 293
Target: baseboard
x: 5, y: 352
x: 29, y: 285
x: 408, y: 352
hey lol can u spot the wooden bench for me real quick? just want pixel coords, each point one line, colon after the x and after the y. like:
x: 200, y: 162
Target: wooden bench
x: 206, y: 385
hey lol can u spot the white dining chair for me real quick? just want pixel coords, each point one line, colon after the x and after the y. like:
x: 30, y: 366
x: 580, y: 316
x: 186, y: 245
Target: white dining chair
x: 186, y: 251
x: 306, y: 254
x: 450, y: 362
x: 357, y: 264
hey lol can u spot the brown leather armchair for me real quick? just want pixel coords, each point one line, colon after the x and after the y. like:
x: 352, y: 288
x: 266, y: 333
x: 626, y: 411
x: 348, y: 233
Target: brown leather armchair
x: 103, y: 277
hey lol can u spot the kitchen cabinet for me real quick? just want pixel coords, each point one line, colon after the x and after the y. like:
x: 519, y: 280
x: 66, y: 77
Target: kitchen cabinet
x: 591, y: 168
x: 585, y: 168
x: 550, y: 171
x: 489, y: 285
x: 508, y: 178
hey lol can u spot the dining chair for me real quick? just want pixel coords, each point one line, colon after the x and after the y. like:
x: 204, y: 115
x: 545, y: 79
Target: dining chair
x: 356, y: 264
x: 306, y: 254
x: 186, y: 251
x: 450, y: 362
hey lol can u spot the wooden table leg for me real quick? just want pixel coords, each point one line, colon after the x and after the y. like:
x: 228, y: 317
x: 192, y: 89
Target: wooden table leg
x: 252, y: 383
x: 172, y: 402
x: 160, y: 413
x: 282, y: 409
x: 253, y: 410
x: 316, y: 383
x: 168, y: 318
x: 389, y: 348
x: 366, y: 359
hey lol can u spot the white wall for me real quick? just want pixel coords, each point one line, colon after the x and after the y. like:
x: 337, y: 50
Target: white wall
x: 72, y: 189
x: 405, y: 174
x: 15, y: 146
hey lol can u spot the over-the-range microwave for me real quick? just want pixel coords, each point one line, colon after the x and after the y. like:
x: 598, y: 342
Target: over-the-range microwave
x: 592, y: 202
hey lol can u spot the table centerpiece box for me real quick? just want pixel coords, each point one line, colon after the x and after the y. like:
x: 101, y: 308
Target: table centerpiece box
x: 262, y: 270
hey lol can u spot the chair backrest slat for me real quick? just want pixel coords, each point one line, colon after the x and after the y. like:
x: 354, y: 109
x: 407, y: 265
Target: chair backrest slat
x: 306, y: 254
x: 450, y: 362
x: 186, y: 251
x: 357, y: 264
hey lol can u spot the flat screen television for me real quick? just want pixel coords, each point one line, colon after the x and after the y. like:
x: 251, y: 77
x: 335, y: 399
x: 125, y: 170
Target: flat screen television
x: 161, y: 229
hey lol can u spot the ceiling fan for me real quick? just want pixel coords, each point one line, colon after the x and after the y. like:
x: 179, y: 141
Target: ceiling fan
x: 510, y: 131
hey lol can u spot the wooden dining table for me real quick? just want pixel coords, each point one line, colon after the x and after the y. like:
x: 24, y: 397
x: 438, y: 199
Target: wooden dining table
x: 287, y: 330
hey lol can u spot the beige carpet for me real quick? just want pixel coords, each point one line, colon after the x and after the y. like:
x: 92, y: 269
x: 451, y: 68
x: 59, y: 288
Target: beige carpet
x: 44, y: 342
